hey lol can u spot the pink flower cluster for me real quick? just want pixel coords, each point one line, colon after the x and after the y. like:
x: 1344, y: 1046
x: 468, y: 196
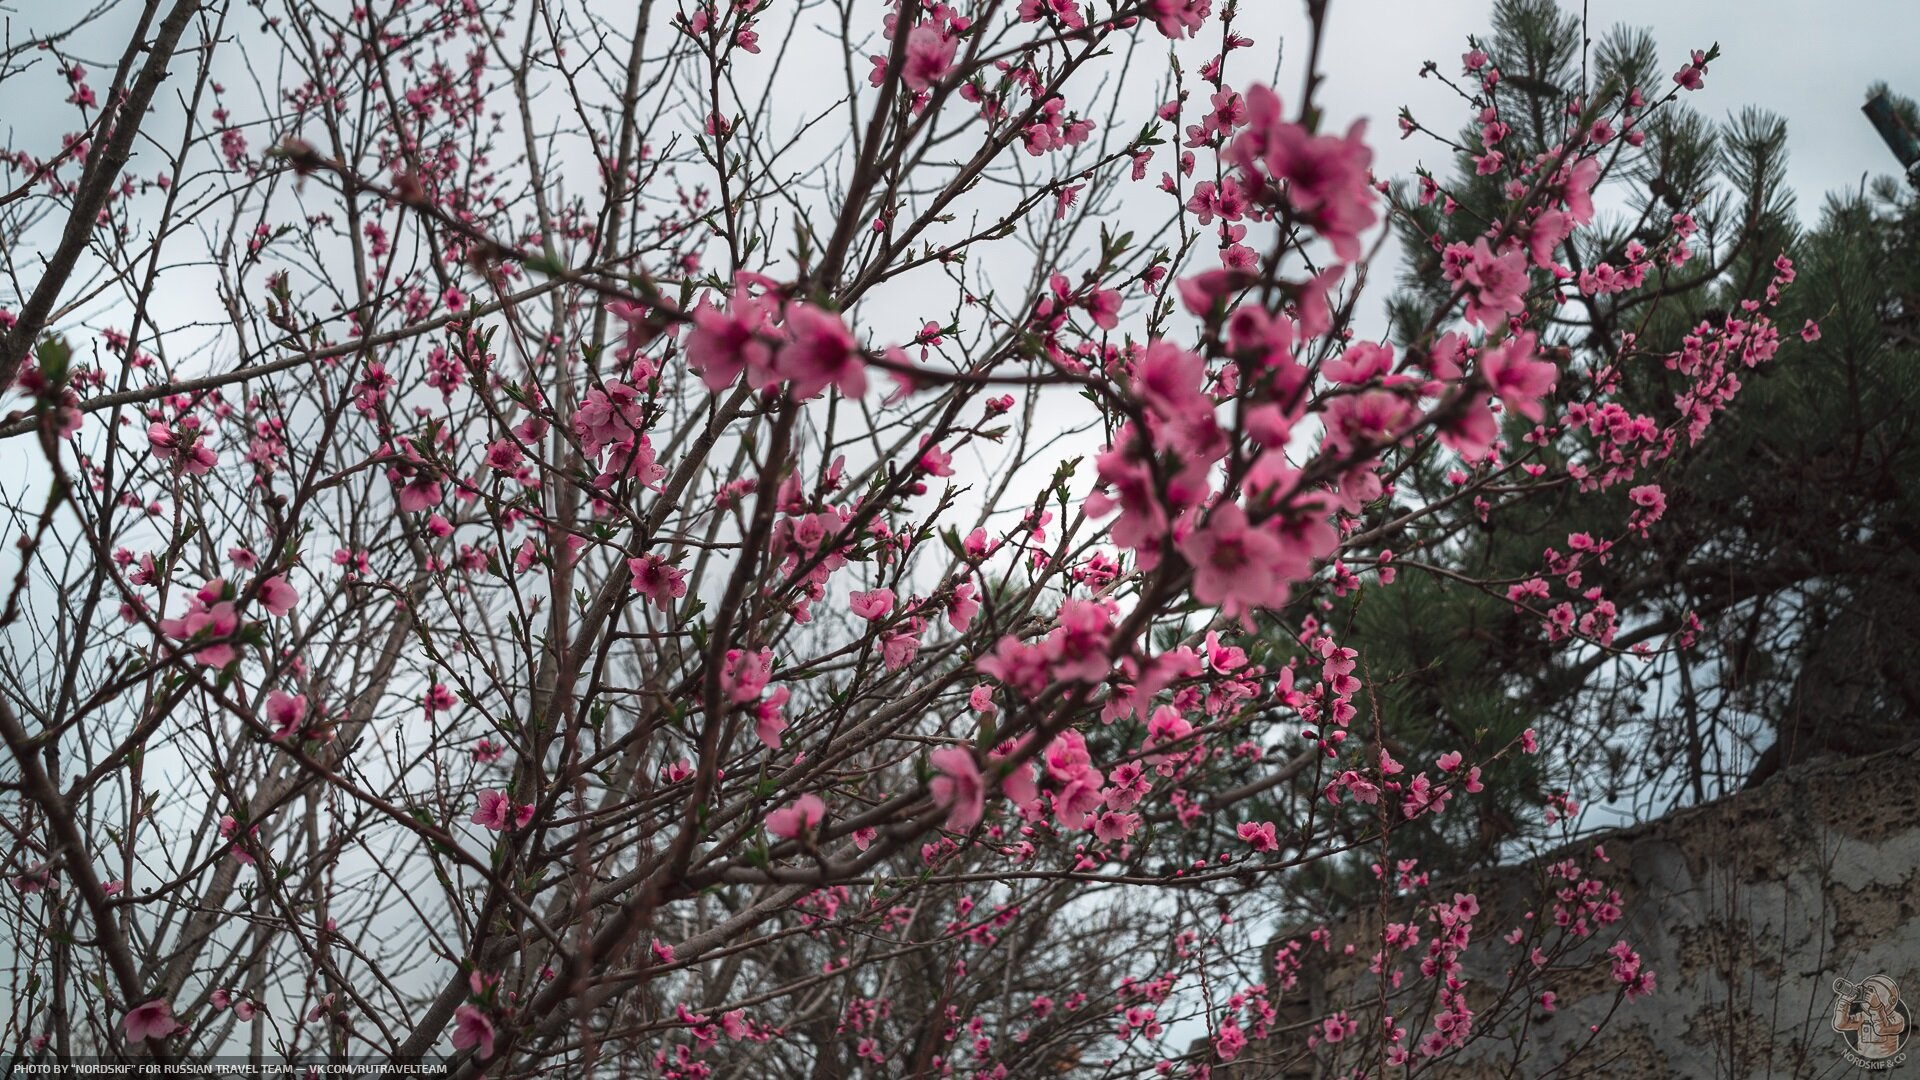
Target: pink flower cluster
x: 757, y: 336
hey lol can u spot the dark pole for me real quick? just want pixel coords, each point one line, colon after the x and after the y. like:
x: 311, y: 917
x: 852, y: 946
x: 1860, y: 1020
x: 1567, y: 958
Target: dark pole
x: 1894, y: 132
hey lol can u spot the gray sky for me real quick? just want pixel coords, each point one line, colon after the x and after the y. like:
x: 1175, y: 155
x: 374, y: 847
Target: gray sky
x: 1808, y: 62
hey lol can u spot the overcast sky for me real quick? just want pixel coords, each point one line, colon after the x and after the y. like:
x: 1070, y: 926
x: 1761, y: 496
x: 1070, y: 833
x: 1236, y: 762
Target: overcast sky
x: 1808, y: 62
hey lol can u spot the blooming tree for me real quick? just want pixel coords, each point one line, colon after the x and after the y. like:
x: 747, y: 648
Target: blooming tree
x: 1745, y: 573
x: 566, y: 533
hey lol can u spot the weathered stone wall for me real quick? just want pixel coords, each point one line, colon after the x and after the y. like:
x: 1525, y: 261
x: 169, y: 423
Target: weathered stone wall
x: 1747, y: 908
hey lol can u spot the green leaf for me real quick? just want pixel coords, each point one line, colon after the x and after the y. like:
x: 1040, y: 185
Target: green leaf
x: 54, y: 356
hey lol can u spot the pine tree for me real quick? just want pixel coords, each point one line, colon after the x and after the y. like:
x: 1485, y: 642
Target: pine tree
x: 1789, y: 533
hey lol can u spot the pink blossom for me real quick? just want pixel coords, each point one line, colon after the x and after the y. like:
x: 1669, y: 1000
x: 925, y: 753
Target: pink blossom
x: 1235, y: 565
x: 287, y: 713
x: 1367, y: 422
x: 1066, y: 757
x: 963, y: 606
x: 1168, y: 379
x: 871, y: 605
x: 1649, y: 498
x: 207, y: 617
x: 1689, y: 76
x: 277, y: 596
x: 36, y: 878
x: 1578, y: 194
x: 726, y: 343
x: 1174, y: 18
x: 820, y: 352
x: 183, y: 447
x: 1260, y: 836
x: 1115, y: 825
x: 1064, y: 200
x: 1127, y: 485
x: 1166, y: 727
x: 1515, y: 377
x: 934, y: 461
x: 1201, y: 293
x: 898, y: 650
x: 1544, y: 237
x: 1017, y: 782
x: 420, y: 492
x: 609, y: 415
x: 1103, y: 306
x: 1337, y: 1027
x: 930, y: 51
x: 1363, y: 362
x: 1129, y: 785
x: 801, y: 817
x: 958, y: 788
x: 495, y: 809
x: 473, y: 1030
x: 1229, y: 1040
x: 658, y: 580
x: 745, y: 674
x: 1077, y: 648
x: 504, y: 455
x: 1497, y: 284
x: 1326, y: 176
x: 1075, y: 803
x: 152, y: 1020
x: 980, y: 698
x: 1067, y: 11
x: 769, y: 720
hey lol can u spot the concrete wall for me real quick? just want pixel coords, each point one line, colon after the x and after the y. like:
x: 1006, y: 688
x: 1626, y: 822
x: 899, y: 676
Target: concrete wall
x: 1747, y: 909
